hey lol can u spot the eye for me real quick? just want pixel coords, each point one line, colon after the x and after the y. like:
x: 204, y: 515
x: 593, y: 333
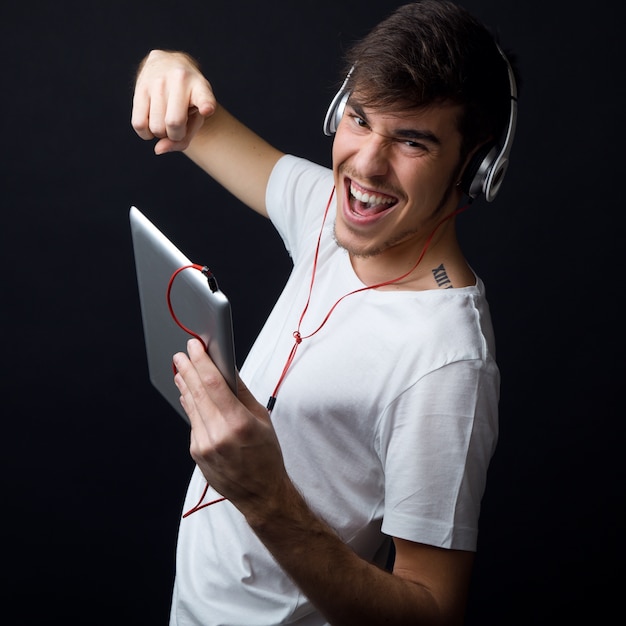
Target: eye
x: 358, y: 120
x: 412, y: 147
x: 413, y: 144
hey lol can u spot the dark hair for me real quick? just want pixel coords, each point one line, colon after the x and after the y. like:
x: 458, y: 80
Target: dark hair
x: 430, y: 52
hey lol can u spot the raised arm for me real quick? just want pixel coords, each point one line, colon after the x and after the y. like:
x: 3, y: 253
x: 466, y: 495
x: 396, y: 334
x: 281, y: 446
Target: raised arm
x: 174, y: 103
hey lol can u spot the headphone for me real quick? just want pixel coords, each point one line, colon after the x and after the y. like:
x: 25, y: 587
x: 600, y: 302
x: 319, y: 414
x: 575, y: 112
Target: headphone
x: 485, y: 171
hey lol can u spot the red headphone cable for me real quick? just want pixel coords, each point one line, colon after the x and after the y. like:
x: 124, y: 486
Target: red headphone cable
x: 299, y: 338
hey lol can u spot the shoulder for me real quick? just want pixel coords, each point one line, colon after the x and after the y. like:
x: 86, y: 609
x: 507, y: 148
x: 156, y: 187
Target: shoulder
x: 292, y: 172
x: 297, y: 194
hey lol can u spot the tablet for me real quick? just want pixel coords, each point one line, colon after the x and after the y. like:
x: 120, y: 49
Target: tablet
x: 196, y: 303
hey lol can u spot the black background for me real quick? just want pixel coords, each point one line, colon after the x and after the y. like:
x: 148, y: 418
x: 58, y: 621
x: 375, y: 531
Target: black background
x: 94, y: 464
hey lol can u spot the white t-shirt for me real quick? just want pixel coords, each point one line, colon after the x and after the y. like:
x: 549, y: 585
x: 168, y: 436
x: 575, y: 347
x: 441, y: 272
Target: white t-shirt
x: 387, y: 419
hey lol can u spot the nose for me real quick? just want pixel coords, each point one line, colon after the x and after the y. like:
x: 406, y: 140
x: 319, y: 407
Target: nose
x: 370, y: 157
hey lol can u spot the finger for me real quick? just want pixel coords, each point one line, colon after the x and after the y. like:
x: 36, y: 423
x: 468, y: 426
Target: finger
x: 140, y: 120
x: 158, y: 109
x: 166, y: 145
x: 187, y: 106
x: 187, y: 402
x: 169, y: 145
x: 213, y: 383
x: 244, y: 395
x: 203, y: 98
x: 220, y: 393
x: 194, y: 398
x: 180, y: 371
x: 206, y: 384
x: 178, y: 111
x: 179, y: 381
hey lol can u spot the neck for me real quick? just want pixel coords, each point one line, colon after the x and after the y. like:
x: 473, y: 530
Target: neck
x: 412, y: 264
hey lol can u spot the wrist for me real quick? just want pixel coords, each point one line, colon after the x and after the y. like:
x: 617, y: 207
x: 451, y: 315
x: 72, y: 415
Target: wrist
x: 281, y: 514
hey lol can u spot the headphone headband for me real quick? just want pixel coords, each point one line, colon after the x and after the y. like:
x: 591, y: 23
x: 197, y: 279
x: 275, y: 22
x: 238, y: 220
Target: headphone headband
x: 491, y: 181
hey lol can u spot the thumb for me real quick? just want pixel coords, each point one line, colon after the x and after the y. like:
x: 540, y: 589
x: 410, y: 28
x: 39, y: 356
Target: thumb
x: 246, y: 398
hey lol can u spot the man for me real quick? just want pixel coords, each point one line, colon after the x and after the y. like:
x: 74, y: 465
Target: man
x: 378, y: 358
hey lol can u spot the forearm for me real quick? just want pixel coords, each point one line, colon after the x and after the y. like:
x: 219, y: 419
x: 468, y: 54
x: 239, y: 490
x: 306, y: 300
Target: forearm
x: 345, y: 588
x: 235, y: 157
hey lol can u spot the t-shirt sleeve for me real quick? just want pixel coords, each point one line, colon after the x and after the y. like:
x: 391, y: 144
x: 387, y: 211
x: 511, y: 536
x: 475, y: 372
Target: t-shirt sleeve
x: 296, y: 197
x: 436, y: 442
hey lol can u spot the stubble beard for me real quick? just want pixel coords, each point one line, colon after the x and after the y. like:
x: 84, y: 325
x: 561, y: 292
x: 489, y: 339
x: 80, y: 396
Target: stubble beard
x: 365, y: 252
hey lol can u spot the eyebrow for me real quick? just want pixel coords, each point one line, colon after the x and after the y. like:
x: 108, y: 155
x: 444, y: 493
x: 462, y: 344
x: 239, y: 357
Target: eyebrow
x: 404, y: 133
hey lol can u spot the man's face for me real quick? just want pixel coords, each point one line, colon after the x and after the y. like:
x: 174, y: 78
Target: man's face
x: 395, y: 174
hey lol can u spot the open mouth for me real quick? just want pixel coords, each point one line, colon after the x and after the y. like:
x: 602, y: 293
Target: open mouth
x: 367, y: 203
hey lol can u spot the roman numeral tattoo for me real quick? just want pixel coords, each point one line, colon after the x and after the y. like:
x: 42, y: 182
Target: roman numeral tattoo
x: 441, y: 277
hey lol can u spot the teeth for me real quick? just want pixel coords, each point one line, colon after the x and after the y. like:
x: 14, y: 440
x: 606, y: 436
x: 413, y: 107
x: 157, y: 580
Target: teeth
x: 371, y: 199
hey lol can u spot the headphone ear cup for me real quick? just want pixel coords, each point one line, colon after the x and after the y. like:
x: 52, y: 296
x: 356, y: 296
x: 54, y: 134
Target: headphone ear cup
x: 337, y: 106
x: 477, y: 170
x: 335, y: 112
x: 486, y: 169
